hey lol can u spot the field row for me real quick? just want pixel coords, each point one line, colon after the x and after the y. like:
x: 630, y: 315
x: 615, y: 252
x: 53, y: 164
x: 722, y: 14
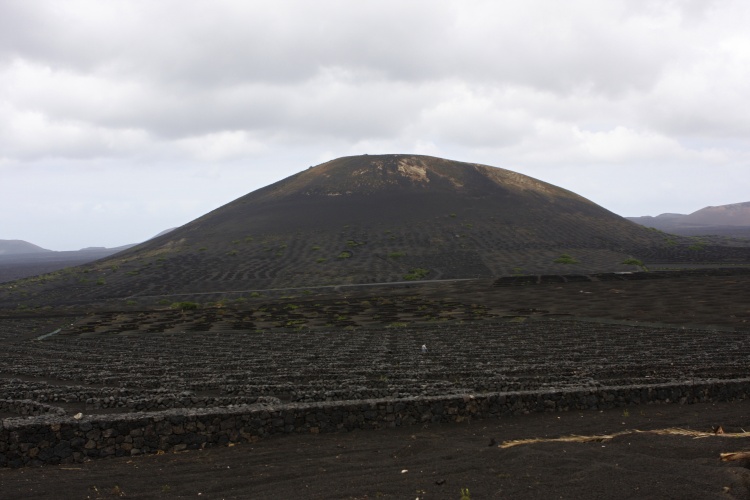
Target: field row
x: 237, y: 367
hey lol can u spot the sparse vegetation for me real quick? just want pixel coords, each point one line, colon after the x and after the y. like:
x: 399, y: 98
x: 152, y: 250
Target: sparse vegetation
x: 565, y: 259
x: 397, y: 324
x: 185, y: 306
x: 396, y: 255
x: 345, y: 255
x: 416, y: 274
x: 698, y: 245
x: 635, y: 262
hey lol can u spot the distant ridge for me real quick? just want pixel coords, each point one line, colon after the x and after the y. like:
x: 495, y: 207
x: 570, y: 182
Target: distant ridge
x: 26, y: 259
x: 724, y: 220
x: 18, y: 247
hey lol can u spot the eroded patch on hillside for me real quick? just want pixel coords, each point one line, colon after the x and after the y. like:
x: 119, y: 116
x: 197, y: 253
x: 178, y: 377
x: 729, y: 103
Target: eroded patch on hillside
x: 417, y: 173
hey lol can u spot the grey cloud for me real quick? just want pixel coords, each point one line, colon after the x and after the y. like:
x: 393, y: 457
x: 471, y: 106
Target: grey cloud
x: 583, y: 85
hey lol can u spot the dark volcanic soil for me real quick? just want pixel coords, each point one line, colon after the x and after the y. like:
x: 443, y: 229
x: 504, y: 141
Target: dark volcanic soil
x: 436, y: 461
x: 432, y: 461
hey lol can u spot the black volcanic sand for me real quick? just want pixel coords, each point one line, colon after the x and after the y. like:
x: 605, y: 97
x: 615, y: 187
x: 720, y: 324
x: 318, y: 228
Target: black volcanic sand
x: 432, y: 461
x: 436, y: 461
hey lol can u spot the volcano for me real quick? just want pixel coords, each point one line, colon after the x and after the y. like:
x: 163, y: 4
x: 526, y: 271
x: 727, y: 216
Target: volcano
x: 372, y: 219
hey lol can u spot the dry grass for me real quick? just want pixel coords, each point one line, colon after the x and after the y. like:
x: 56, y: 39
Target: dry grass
x: 606, y: 437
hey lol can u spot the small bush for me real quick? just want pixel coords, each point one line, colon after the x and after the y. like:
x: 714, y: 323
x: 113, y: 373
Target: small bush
x: 185, y: 306
x: 345, y: 255
x: 565, y: 259
x: 635, y: 262
x: 396, y: 255
x: 417, y: 274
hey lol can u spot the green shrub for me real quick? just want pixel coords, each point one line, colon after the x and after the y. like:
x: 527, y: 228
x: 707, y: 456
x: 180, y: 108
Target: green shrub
x: 635, y: 262
x: 345, y: 255
x: 416, y: 274
x: 184, y: 306
x: 396, y: 255
x: 565, y: 259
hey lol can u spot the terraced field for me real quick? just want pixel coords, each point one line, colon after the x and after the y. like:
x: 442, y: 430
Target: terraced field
x: 511, y: 334
x: 131, y: 372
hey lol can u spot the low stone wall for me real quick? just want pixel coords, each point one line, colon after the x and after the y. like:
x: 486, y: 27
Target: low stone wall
x: 27, y: 407
x: 53, y: 440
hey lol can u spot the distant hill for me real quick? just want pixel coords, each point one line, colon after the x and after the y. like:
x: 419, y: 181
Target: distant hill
x: 725, y: 220
x: 371, y: 219
x: 19, y: 247
x: 20, y: 259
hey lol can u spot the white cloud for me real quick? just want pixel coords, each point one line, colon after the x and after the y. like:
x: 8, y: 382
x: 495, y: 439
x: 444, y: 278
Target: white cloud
x: 246, y: 93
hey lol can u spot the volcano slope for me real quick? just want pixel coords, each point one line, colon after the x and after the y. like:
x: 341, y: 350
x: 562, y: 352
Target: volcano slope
x: 372, y: 219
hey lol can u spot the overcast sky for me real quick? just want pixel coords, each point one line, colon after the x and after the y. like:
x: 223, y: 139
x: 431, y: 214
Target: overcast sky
x: 119, y: 119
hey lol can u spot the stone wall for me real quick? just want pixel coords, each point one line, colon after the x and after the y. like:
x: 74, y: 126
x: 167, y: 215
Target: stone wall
x: 51, y: 439
x: 27, y: 407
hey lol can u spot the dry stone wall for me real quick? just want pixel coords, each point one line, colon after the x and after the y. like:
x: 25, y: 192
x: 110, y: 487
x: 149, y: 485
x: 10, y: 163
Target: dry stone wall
x: 27, y: 407
x: 53, y: 439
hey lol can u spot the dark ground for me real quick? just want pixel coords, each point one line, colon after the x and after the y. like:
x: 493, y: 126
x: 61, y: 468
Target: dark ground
x: 438, y: 461
x: 435, y: 461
